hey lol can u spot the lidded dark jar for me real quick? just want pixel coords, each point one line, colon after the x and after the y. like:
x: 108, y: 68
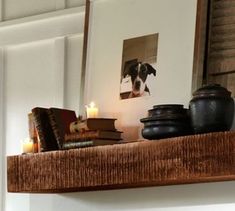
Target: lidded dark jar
x: 211, y: 109
x: 164, y: 121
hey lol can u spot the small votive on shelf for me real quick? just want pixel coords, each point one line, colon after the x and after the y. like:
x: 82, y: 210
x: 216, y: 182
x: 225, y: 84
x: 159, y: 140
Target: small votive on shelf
x: 91, y: 111
x: 27, y: 146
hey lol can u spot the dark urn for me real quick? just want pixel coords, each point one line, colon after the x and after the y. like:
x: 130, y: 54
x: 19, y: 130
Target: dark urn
x: 166, y: 121
x: 211, y: 109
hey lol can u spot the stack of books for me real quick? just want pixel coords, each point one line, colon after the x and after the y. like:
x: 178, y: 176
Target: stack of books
x: 59, y: 129
x: 92, y: 132
x: 51, y: 125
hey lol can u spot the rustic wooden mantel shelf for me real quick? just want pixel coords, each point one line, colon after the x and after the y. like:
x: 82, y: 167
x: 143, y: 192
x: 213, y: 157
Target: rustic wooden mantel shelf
x: 189, y: 159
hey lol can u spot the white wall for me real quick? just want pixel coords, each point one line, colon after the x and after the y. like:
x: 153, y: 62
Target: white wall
x: 27, y: 67
x: 12, y: 9
x: 74, y: 46
x: 40, y: 66
x: 203, y: 197
x: 113, y: 21
x: 35, y: 76
x: 2, y: 150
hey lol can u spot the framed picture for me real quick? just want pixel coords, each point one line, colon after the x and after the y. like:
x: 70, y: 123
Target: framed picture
x: 139, y: 55
x: 128, y: 35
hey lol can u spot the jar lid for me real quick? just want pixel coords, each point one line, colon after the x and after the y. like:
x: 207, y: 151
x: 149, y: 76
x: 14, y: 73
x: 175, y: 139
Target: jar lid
x: 168, y: 111
x: 168, y: 106
x: 164, y: 117
x: 212, y: 90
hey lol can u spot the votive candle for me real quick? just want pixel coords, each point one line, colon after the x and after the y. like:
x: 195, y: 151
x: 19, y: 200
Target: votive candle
x: 91, y: 110
x: 27, y: 146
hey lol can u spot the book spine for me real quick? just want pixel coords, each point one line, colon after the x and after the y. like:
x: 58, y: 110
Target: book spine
x: 74, y: 144
x: 82, y: 136
x: 40, y: 132
x: 45, y: 133
x: 55, y: 129
x: 93, y: 124
x: 87, y: 135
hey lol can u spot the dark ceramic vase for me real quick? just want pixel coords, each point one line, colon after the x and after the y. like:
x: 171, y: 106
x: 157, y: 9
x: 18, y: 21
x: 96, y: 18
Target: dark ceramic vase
x: 164, y: 128
x: 166, y: 121
x: 211, y: 109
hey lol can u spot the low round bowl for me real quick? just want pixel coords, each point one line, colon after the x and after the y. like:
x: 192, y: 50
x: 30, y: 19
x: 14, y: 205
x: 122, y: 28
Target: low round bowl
x: 158, y: 129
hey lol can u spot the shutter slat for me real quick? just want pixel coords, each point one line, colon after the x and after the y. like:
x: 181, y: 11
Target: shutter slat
x: 226, y: 80
x: 226, y: 45
x: 222, y: 65
x: 223, y: 4
x: 221, y: 54
x: 222, y: 38
x: 223, y: 21
x: 224, y: 29
x: 223, y: 12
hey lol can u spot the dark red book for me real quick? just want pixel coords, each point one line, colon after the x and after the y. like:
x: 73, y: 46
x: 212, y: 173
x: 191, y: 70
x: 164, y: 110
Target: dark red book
x: 60, y: 120
x: 93, y: 134
x: 47, y: 140
x: 88, y: 143
x: 107, y: 124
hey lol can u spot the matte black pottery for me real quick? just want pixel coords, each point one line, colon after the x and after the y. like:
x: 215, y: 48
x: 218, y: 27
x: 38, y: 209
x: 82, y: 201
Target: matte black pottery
x: 157, y: 129
x: 165, y: 121
x: 211, y: 109
x: 172, y: 110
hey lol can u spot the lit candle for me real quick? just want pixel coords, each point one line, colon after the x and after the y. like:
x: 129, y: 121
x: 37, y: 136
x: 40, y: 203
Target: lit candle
x: 91, y: 110
x: 27, y: 146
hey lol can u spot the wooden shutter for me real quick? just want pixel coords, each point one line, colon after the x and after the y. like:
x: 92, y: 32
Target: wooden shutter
x: 220, y: 59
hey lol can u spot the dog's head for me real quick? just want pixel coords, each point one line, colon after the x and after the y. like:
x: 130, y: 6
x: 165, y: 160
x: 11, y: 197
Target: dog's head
x: 139, y: 73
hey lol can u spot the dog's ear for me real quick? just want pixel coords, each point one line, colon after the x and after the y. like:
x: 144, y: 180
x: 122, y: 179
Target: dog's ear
x: 129, y: 70
x: 150, y: 69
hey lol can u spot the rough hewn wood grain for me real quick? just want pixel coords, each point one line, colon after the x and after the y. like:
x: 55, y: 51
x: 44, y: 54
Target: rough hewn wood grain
x: 189, y: 159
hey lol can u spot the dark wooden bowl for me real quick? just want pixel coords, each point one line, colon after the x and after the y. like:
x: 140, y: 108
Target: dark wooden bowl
x: 157, y: 129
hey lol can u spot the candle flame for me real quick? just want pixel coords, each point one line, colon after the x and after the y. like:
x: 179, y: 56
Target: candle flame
x: 91, y: 110
x: 92, y: 105
x: 27, y: 140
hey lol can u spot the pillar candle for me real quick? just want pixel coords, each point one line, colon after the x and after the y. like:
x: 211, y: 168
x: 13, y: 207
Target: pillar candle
x: 91, y: 110
x: 27, y: 146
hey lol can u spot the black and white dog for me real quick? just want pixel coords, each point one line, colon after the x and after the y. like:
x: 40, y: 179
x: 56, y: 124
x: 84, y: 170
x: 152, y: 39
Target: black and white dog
x: 139, y: 73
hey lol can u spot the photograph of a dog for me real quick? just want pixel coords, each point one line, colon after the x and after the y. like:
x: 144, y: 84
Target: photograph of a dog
x: 138, y: 65
x: 138, y: 73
